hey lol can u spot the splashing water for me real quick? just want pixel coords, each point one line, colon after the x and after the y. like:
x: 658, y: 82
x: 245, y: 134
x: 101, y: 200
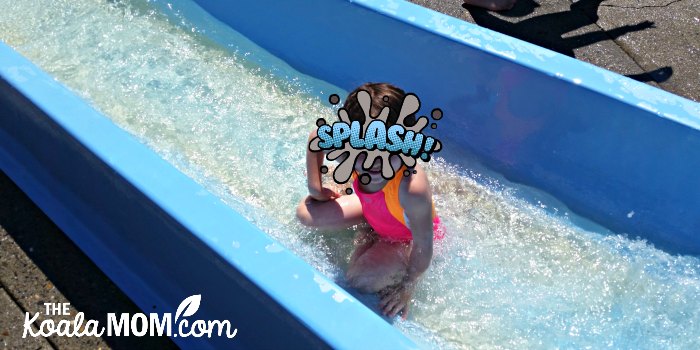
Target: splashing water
x: 508, y: 274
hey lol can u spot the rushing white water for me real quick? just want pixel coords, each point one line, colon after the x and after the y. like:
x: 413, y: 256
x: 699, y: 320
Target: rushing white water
x: 508, y: 275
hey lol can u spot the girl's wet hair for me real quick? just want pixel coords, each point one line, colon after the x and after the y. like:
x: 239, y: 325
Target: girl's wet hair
x: 379, y: 92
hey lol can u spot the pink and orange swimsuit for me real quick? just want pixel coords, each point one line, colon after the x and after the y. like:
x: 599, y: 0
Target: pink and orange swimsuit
x: 384, y: 213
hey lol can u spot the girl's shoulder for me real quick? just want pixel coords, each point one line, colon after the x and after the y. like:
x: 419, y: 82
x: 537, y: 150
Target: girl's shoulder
x: 414, y: 187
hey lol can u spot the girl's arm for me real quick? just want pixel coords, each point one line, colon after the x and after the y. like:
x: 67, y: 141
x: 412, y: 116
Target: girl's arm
x: 418, y: 206
x: 314, y: 160
x: 416, y: 199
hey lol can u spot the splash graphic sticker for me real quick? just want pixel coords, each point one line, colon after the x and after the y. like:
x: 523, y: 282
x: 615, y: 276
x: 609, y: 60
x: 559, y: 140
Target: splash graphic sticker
x: 346, y: 140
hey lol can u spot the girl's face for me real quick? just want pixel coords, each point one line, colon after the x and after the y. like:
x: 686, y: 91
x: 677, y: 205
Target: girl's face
x: 375, y: 172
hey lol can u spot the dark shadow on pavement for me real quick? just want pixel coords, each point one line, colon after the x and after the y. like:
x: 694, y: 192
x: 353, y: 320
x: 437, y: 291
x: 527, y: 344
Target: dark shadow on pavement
x: 659, y: 75
x: 547, y: 30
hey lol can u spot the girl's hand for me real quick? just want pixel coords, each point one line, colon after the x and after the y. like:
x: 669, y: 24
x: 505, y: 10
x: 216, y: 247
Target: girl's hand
x: 325, y: 194
x: 397, y: 299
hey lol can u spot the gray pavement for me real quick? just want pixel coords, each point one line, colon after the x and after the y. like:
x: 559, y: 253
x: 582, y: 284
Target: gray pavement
x: 654, y: 41
x: 11, y: 326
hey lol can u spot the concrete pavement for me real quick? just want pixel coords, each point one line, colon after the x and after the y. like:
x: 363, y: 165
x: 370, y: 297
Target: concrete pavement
x: 654, y: 41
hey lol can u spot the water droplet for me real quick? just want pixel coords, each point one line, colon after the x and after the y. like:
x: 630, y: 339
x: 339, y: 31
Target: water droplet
x: 385, y: 98
x: 365, y: 179
x: 406, y: 173
x: 348, y: 190
x: 320, y: 121
x: 433, y: 126
x: 334, y: 99
x: 436, y: 113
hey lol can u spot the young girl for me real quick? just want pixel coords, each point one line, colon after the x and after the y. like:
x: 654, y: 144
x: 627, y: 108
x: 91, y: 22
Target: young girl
x: 389, y: 258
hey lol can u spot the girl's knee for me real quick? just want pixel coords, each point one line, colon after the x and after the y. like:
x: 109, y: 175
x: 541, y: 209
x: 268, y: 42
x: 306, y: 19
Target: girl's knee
x: 373, y: 281
x: 362, y: 283
x: 303, y: 214
x: 373, y: 284
x: 358, y: 279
